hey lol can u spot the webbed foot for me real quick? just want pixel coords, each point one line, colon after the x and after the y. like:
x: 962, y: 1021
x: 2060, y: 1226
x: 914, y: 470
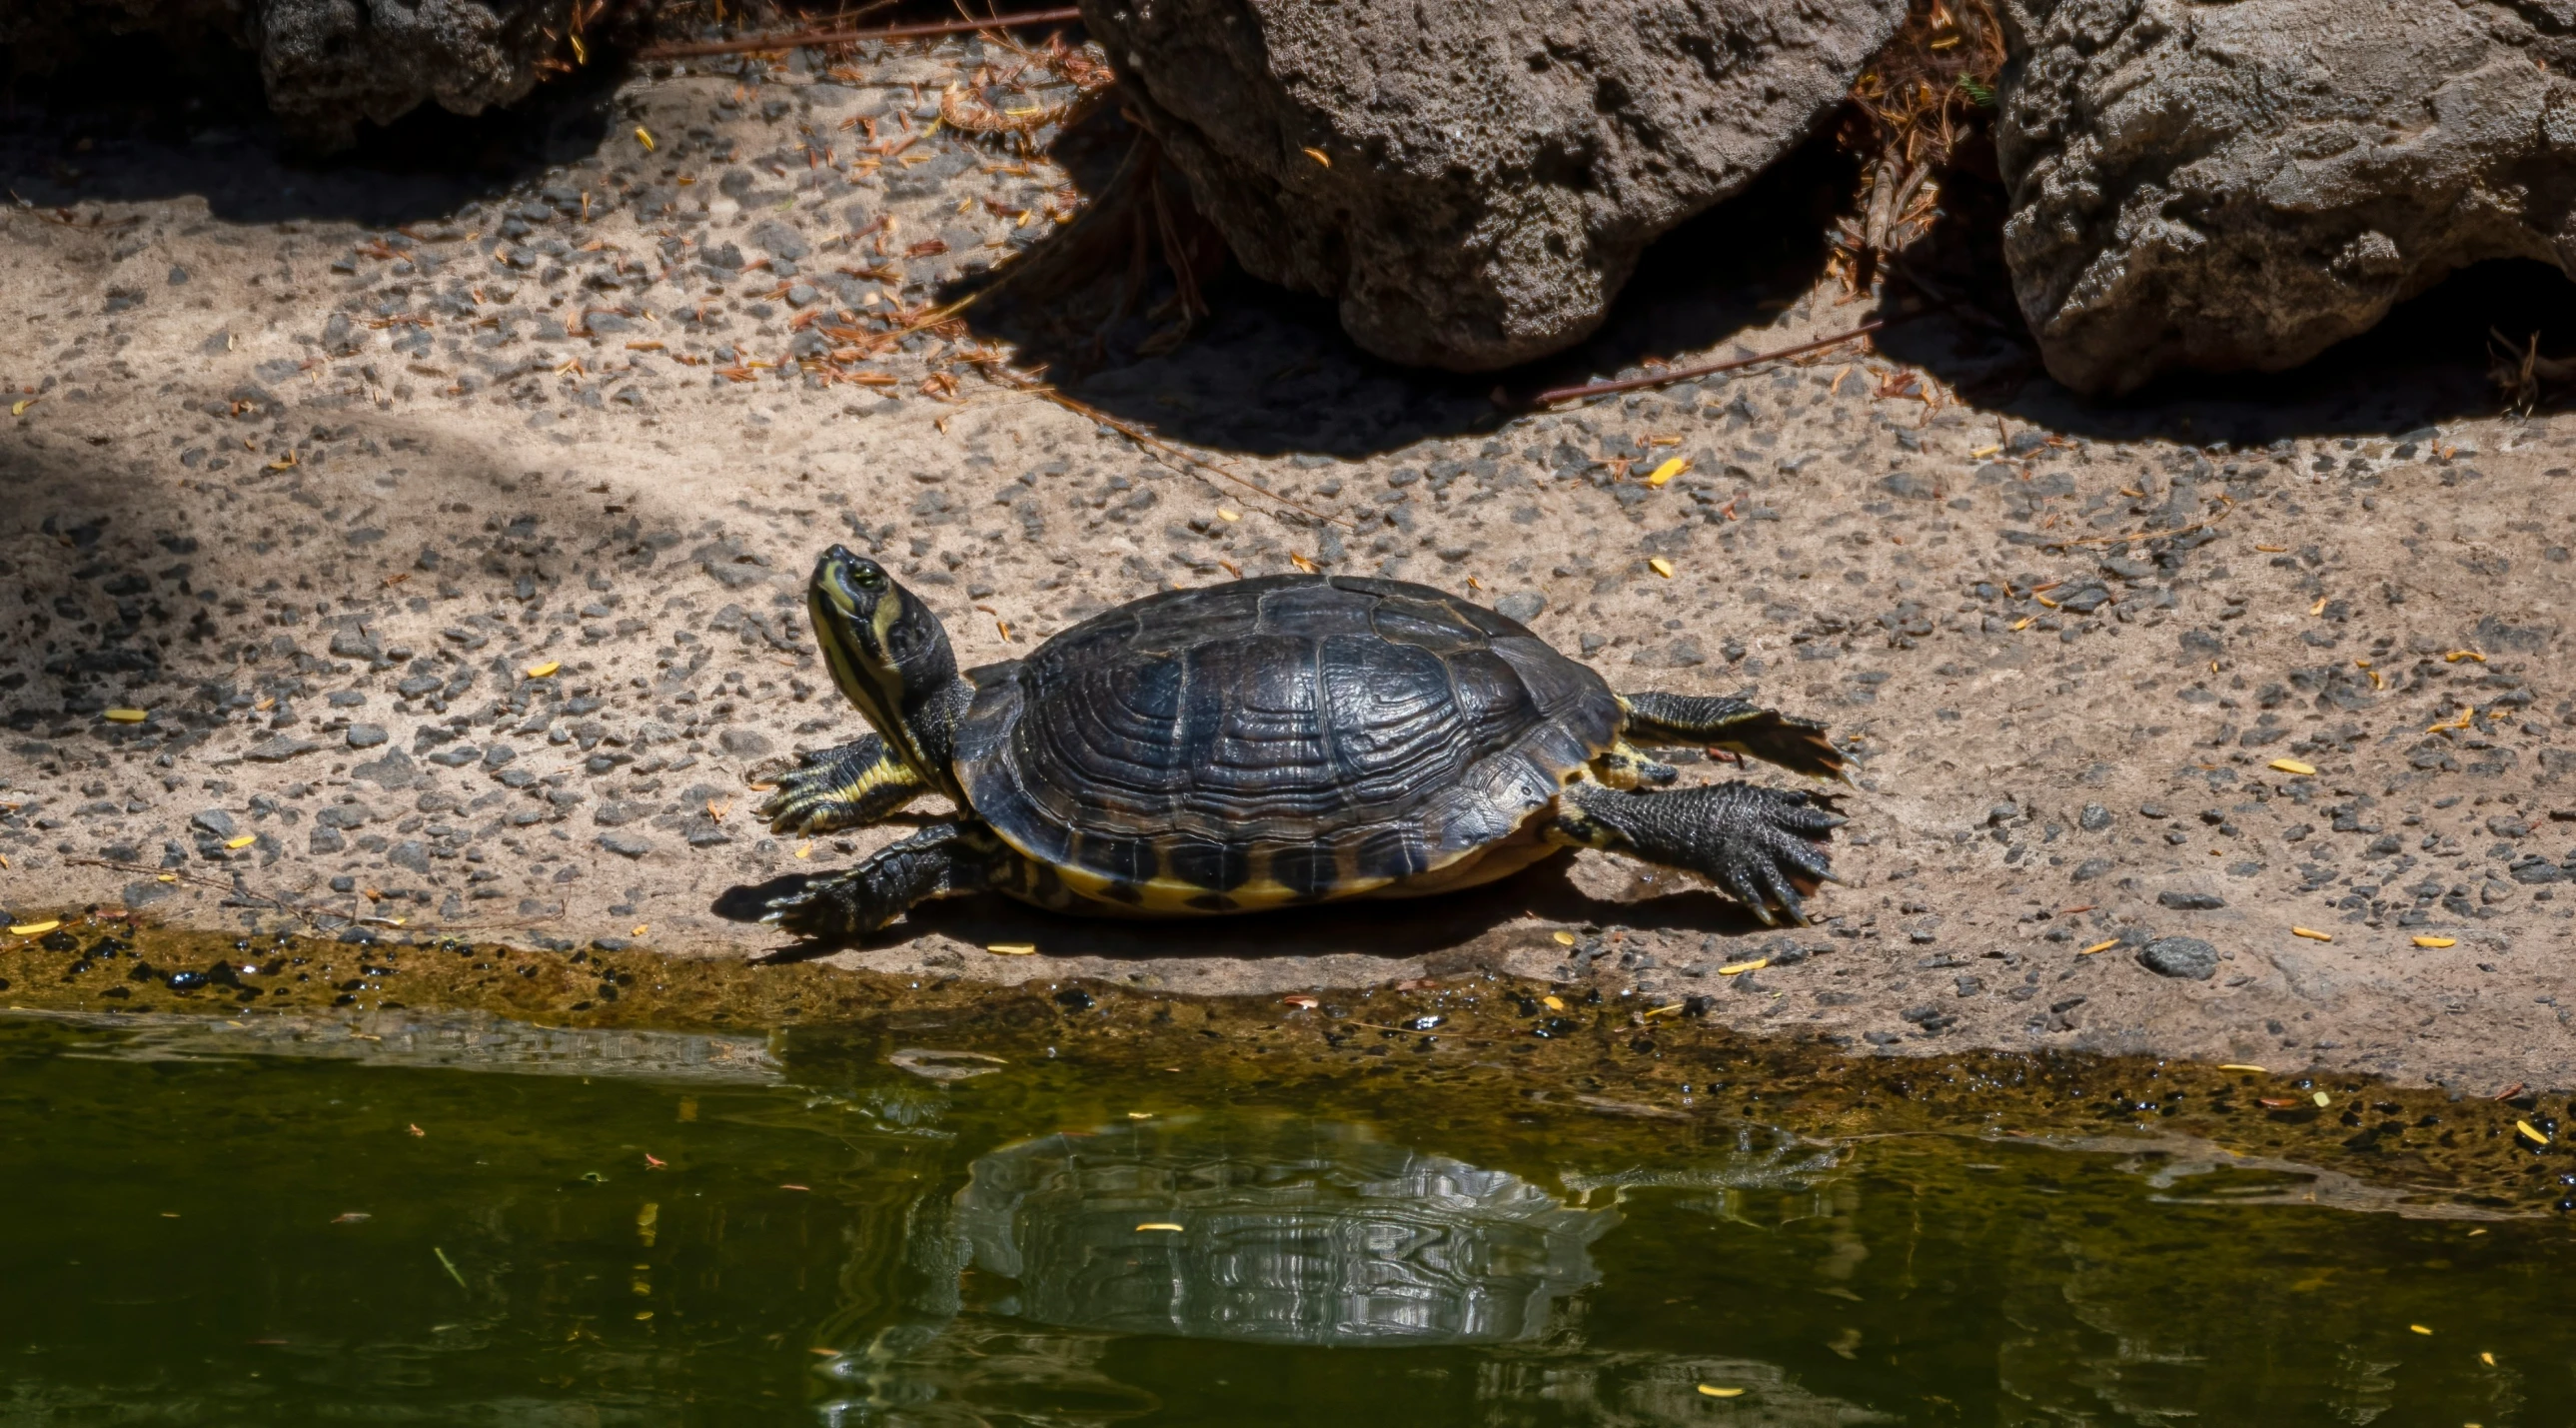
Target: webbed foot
x: 1676, y: 720
x: 832, y: 789
x: 947, y: 860
x: 1764, y: 847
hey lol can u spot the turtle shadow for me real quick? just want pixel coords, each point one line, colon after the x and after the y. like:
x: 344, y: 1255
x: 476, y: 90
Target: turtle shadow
x: 1522, y: 911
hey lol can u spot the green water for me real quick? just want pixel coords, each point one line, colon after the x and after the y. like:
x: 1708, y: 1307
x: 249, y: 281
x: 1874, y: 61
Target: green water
x: 216, y: 1225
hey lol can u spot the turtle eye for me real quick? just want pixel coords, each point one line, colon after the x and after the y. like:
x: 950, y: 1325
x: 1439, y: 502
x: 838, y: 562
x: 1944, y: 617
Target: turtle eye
x: 867, y: 577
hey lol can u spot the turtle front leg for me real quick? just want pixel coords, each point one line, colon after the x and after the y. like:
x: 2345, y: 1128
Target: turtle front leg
x: 1764, y: 847
x: 1675, y: 720
x: 848, y: 787
x: 946, y: 860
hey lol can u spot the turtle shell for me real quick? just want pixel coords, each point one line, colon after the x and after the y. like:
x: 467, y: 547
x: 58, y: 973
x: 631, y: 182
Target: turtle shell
x: 1287, y: 739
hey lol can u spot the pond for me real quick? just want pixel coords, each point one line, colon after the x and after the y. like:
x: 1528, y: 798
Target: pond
x: 454, y: 1217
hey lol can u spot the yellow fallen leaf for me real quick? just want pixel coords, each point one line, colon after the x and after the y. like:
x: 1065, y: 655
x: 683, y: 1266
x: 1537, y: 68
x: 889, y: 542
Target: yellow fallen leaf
x: 283, y: 463
x: 2455, y: 656
x: 2418, y: 1329
x: 2318, y: 608
x: 2023, y: 623
x: 1661, y: 567
x: 1320, y: 157
x: 2312, y: 934
x: 1551, y: 1003
x: 19, y: 408
x: 167, y: 878
x: 645, y: 137
x: 1664, y: 1010
x: 126, y: 716
x: 540, y: 671
x: 805, y: 850
x: 2099, y: 947
x: 243, y: 841
x: 2529, y: 1132
x: 1302, y: 563
x: 1013, y: 949
x: 2241, y: 1066
x: 2437, y: 942
x: 35, y: 929
x: 1734, y: 968
x: 2487, y: 1359
x: 1223, y: 514
x: 1714, y: 1391
x: 1673, y: 466
x: 2271, y: 549
x: 1565, y: 939
x: 640, y: 929
x: 2322, y: 1099
x: 1160, y: 1225
x: 580, y: 51
x: 1982, y: 452
x: 2293, y: 766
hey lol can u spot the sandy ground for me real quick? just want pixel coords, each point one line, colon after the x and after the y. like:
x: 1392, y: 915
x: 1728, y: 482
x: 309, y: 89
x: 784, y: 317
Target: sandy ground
x: 454, y: 557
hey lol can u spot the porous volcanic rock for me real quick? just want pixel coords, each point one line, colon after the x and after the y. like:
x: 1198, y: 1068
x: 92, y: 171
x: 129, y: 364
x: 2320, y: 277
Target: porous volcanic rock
x: 326, y: 63
x: 1474, y: 179
x: 330, y: 63
x: 2240, y: 186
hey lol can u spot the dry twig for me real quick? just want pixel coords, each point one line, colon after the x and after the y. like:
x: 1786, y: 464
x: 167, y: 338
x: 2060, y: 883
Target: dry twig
x: 1170, y: 455
x: 1683, y: 374
x: 793, y: 39
x: 2520, y: 371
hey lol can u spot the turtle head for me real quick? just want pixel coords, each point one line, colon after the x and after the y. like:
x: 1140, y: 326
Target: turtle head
x: 888, y: 653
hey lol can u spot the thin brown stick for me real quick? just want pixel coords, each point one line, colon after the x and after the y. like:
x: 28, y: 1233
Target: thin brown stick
x: 1684, y: 374
x: 2132, y: 537
x: 1162, y: 450
x: 793, y: 39
x: 229, y: 889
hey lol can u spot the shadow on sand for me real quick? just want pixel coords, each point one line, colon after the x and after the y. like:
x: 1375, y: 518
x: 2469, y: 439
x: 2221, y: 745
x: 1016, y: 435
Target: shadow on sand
x: 139, y: 122
x: 1393, y: 928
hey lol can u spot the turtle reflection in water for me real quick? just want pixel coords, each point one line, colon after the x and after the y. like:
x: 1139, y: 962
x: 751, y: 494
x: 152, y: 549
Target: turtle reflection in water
x: 1287, y: 1232
x: 1265, y: 743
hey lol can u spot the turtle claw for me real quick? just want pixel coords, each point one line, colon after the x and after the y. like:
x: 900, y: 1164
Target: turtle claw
x: 836, y: 907
x: 1770, y: 842
x: 833, y: 789
x: 1763, y: 847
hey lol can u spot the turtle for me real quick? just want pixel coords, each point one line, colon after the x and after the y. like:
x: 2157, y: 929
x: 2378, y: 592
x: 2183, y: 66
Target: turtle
x: 1264, y: 743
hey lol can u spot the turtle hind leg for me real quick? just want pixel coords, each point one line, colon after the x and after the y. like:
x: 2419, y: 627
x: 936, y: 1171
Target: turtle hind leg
x: 1675, y: 720
x: 1764, y: 847
x: 848, y: 787
x: 947, y: 860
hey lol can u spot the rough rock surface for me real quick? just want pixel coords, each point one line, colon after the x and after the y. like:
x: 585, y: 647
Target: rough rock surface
x: 330, y: 63
x: 2239, y: 186
x: 326, y: 63
x: 1474, y: 182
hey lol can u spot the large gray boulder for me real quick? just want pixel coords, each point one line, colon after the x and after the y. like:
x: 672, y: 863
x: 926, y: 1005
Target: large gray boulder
x: 2240, y: 186
x: 327, y: 64
x: 1474, y: 179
